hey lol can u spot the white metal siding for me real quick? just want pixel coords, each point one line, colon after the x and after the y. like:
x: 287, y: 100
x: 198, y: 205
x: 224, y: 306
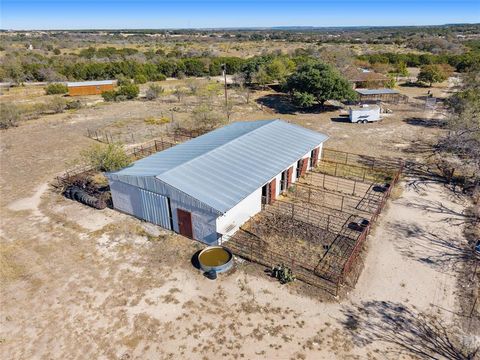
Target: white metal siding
x: 141, y: 203
x: 155, y: 208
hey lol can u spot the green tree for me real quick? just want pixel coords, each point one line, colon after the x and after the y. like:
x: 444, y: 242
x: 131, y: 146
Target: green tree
x: 279, y: 68
x: 110, y: 157
x: 431, y: 74
x: 321, y: 81
x: 303, y: 99
x: 261, y: 77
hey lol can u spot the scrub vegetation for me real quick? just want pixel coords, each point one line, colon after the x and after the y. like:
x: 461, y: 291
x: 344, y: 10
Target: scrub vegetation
x: 127, y: 289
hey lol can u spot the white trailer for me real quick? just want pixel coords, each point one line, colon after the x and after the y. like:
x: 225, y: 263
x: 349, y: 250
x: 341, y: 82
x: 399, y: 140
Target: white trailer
x: 364, y: 114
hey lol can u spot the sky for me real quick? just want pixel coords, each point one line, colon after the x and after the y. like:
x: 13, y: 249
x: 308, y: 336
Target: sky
x: 159, y: 14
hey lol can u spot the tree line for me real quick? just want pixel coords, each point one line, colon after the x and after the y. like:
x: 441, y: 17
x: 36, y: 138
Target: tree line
x: 111, y: 63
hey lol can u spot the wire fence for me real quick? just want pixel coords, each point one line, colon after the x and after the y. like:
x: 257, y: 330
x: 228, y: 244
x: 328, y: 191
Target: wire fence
x: 176, y: 135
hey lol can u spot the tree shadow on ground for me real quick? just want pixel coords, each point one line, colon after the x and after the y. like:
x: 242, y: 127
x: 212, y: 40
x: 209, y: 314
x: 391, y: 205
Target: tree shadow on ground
x: 279, y: 103
x: 406, y: 330
x: 426, y: 122
x: 440, y: 251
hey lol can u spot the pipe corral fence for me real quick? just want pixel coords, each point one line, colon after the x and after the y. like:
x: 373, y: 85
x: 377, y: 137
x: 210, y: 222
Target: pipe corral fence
x: 309, y: 228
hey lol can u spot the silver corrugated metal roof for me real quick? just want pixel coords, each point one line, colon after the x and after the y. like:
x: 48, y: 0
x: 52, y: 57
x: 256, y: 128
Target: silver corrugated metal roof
x: 90, y: 83
x: 376, y: 91
x: 223, y: 167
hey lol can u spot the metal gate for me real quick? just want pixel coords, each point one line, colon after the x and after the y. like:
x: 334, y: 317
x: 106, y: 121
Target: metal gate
x: 155, y: 208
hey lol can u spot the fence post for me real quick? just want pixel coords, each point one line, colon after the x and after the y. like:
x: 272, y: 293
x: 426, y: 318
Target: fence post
x: 341, y: 208
x: 336, y: 166
x: 293, y: 210
x: 324, y: 181
x: 354, y: 186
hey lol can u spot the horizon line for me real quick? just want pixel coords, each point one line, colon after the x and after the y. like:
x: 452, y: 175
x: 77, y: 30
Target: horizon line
x: 276, y: 27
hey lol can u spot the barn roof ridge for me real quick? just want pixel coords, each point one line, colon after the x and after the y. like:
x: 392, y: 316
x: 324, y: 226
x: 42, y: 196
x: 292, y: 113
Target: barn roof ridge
x: 220, y: 147
x: 224, y: 166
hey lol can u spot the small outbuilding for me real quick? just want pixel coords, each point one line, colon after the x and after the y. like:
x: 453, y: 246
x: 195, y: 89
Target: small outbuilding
x: 380, y: 95
x: 207, y: 187
x: 364, y: 78
x: 81, y: 88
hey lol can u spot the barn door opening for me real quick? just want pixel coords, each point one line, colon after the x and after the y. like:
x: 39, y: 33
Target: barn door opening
x: 314, y: 157
x: 269, y: 192
x: 272, y: 191
x: 284, y: 181
x: 289, y: 176
x: 303, y: 169
x: 185, y: 223
x: 265, y: 194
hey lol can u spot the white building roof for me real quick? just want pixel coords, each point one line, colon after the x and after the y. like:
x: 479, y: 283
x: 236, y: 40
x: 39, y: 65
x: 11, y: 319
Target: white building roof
x: 91, y: 83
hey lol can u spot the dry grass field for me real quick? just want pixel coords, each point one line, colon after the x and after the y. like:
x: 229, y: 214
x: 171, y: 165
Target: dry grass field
x: 81, y: 283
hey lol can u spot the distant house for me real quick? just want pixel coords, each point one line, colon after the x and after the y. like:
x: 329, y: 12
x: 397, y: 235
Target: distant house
x: 208, y: 187
x: 80, y: 88
x: 363, y: 78
x: 384, y: 95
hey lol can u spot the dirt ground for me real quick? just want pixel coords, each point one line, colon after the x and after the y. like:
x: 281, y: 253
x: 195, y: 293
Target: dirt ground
x: 80, y: 283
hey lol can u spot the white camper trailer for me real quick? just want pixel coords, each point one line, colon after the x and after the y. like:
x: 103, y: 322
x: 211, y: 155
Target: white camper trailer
x: 364, y: 114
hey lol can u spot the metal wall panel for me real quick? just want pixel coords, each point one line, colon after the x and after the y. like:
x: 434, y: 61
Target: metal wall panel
x: 155, y: 209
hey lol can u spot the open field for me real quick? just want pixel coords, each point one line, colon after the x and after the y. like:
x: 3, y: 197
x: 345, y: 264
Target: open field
x: 82, y: 283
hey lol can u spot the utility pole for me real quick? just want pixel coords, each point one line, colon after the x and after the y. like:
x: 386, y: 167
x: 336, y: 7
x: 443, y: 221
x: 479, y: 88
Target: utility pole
x: 224, y: 70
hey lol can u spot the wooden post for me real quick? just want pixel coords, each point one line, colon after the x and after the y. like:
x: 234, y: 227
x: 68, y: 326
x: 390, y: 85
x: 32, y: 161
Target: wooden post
x: 354, y: 186
x: 343, y: 197
x: 324, y: 180
x: 336, y: 166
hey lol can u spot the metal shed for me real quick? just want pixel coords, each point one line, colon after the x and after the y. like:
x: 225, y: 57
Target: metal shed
x: 376, y: 95
x: 80, y: 88
x: 209, y: 186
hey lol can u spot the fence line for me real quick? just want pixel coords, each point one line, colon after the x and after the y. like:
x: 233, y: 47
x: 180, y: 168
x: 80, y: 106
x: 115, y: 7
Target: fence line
x: 361, y: 239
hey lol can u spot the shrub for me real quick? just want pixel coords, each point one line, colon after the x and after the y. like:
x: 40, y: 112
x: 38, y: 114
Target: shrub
x: 432, y: 74
x: 57, y: 105
x: 73, y: 105
x: 140, y: 79
x: 122, y: 80
x: 56, y: 89
x: 9, y: 115
x: 154, y: 121
x: 153, y: 92
x: 283, y: 274
x: 125, y: 92
x: 130, y: 91
x: 109, y: 95
x: 110, y: 157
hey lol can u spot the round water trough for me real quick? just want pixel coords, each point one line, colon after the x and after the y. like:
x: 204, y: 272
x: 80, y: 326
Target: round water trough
x: 215, y: 258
